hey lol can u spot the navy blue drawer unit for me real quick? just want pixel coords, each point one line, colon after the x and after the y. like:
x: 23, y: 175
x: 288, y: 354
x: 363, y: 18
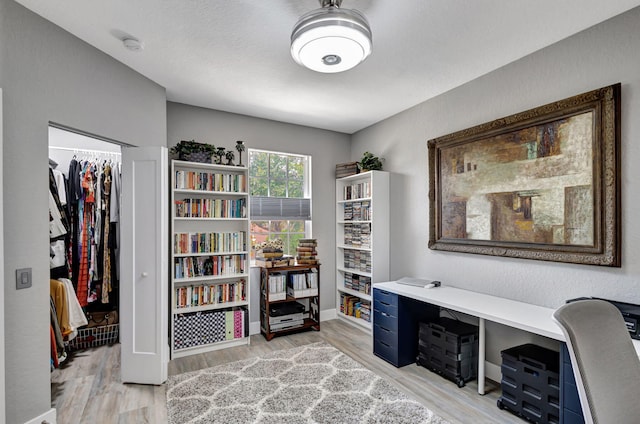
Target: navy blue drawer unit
x: 395, y: 326
x: 569, y: 401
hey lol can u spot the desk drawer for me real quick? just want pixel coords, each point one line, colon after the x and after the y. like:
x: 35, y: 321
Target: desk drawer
x: 385, y: 307
x: 385, y: 297
x: 385, y: 320
x: 385, y: 351
x: 385, y: 335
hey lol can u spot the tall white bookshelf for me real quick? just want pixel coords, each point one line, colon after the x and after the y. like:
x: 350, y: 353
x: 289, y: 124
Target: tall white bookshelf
x: 209, y: 257
x: 362, y: 243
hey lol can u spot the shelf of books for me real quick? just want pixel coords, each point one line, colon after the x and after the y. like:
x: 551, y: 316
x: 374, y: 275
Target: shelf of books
x: 362, y: 243
x: 209, y: 257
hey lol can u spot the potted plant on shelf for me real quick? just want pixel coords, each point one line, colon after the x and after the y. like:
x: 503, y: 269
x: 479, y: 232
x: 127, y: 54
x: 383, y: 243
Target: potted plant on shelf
x: 230, y: 156
x: 192, y: 151
x: 369, y: 162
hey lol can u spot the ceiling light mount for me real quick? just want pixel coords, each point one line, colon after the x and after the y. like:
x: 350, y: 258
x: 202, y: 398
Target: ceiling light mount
x: 331, y: 39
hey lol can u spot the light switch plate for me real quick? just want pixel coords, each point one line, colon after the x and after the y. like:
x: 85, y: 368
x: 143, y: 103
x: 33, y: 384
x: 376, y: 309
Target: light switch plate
x: 23, y: 278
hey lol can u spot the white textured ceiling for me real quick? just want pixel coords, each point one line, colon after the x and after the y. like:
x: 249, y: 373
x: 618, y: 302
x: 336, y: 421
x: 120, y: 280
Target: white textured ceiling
x: 234, y: 55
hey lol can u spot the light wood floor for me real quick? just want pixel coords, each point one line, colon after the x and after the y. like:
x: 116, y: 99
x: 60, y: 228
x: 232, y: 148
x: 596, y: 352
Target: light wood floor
x: 87, y: 388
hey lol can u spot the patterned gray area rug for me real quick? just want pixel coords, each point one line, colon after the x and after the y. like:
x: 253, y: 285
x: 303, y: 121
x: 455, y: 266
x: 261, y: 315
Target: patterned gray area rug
x: 315, y: 383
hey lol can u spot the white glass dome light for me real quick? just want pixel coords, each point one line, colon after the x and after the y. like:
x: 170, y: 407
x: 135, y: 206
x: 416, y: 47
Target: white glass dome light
x: 331, y: 39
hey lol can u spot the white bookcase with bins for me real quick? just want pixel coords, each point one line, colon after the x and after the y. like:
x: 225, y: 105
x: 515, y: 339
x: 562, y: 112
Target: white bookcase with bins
x: 209, y: 257
x: 362, y: 243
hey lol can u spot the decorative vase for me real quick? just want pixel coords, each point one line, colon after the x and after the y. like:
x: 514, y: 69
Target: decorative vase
x: 240, y: 149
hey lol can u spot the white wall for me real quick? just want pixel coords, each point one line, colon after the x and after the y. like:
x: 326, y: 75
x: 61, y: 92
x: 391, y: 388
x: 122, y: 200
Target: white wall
x: 599, y: 56
x: 49, y: 75
x: 186, y: 122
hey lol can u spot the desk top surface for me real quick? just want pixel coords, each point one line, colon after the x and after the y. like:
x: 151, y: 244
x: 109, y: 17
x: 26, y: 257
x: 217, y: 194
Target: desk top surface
x: 525, y: 316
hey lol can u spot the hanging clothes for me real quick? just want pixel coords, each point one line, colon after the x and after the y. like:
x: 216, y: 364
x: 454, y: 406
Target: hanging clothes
x: 58, y: 225
x: 106, y: 264
x: 92, y: 202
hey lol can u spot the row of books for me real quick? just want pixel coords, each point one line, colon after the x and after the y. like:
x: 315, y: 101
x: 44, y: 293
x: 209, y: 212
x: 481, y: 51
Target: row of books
x: 357, y: 282
x: 277, y: 286
x: 210, y: 181
x: 209, y: 242
x: 357, y: 259
x: 213, y: 294
x: 357, y: 190
x: 355, y: 307
x: 358, y: 235
x: 202, y: 266
x: 346, y: 169
x: 358, y: 211
x: 292, y: 284
x: 303, y: 284
x: 201, y: 328
x: 211, y: 208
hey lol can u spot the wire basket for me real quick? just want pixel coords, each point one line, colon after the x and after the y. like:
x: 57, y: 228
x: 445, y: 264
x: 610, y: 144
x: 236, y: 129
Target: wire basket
x: 95, y: 336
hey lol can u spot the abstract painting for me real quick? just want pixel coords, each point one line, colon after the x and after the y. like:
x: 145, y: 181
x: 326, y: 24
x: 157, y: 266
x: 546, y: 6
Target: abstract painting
x: 542, y: 184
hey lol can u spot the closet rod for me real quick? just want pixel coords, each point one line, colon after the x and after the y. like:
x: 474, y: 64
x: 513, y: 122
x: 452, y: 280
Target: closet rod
x: 73, y: 149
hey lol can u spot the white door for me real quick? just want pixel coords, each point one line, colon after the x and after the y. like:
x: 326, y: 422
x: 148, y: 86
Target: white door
x: 144, y: 265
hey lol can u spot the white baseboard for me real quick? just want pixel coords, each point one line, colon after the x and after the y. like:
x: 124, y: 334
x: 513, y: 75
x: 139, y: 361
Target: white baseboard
x: 492, y: 371
x: 328, y: 314
x: 48, y: 417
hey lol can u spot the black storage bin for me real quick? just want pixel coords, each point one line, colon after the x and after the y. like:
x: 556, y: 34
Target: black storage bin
x: 449, y: 348
x: 531, y: 383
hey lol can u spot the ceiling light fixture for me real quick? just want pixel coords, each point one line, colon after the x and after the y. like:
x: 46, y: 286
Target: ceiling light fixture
x: 331, y: 39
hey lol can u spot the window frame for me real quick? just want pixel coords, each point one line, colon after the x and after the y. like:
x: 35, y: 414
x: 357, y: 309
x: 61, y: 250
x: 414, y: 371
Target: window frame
x: 306, y: 189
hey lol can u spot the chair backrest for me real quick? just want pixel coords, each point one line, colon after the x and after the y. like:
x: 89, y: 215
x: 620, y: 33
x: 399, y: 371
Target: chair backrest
x: 605, y: 363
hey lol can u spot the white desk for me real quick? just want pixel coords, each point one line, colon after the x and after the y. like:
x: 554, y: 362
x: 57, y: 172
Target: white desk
x: 525, y: 316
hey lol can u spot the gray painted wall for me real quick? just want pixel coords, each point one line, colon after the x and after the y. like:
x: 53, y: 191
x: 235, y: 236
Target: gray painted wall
x: 186, y: 122
x: 49, y: 75
x: 602, y: 55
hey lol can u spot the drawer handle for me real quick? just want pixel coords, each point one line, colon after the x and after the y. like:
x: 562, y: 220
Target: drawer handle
x: 384, y: 314
x: 381, y: 342
x: 385, y: 303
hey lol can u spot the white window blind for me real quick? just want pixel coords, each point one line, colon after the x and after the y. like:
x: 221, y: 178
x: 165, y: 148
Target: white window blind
x: 280, y: 208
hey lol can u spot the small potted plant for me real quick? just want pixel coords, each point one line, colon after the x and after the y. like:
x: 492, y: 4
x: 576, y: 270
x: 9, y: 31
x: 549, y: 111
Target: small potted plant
x: 192, y: 151
x: 219, y: 153
x: 230, y: 156
x: 369, y: 162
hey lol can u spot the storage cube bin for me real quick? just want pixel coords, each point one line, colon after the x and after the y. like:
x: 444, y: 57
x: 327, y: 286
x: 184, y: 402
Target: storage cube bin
x: 449, y: 348
x: 531, y: 383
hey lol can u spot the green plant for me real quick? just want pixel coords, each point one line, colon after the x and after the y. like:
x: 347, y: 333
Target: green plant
x: 230, y: 156
x: 369, y: 162
x: 185, y: 147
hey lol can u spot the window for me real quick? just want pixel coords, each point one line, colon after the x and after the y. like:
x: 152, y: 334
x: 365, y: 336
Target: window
x: 280, y: 190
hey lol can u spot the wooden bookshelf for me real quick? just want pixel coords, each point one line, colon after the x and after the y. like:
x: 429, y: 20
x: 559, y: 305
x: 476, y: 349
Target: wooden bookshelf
x: 278, y: 286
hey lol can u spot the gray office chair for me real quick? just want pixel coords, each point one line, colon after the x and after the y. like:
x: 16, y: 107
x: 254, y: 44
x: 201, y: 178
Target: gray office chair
x: 605, y: 363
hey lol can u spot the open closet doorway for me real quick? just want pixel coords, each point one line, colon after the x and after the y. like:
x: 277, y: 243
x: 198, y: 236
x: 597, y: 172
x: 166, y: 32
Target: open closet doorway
x: 109, y: 249
x: 84, y: 206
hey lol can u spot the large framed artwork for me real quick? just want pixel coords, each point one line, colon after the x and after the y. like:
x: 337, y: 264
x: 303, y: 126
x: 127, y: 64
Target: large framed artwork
x: 542, y: 184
